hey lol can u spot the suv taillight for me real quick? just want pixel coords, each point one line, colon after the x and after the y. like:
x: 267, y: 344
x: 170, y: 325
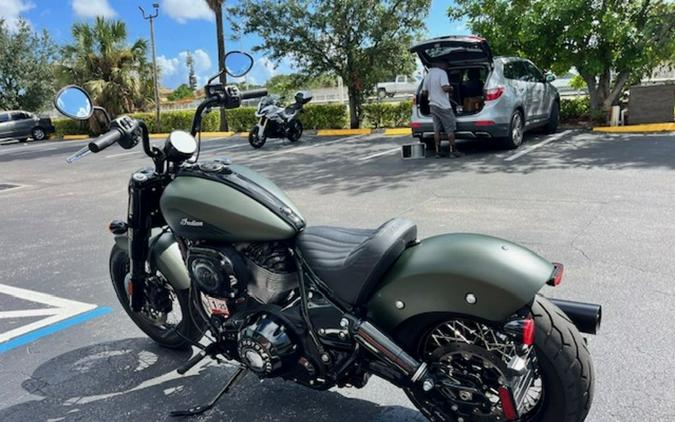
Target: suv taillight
x: 494, y: 93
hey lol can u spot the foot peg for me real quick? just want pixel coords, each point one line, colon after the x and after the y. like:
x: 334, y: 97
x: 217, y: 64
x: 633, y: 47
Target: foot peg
x: 198, y: 410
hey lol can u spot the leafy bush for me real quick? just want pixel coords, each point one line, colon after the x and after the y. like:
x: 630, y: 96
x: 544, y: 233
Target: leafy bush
x: 324, y: 116
x: 240, y: 119
x: 68, y: 127
x: 387, y: 114
x: 575, y: 108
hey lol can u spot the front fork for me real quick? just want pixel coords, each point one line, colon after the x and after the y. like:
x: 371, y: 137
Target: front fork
x: 145, y: 188
x: 262, y: 124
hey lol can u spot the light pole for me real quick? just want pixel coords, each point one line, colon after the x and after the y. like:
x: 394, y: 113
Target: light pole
x: 151, y: 18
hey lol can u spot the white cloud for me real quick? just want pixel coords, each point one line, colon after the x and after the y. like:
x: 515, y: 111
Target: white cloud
x: 185, y: 10
x: 267, y: 66
x: 11, y: 11
x: 93, y: 8
x: 174, y: 70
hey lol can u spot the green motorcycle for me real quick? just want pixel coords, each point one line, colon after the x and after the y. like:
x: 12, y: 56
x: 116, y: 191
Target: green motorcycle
x: 214, y: 255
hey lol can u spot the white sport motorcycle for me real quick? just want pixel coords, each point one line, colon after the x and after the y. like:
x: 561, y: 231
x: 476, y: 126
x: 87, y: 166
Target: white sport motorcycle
x: 276, y: 121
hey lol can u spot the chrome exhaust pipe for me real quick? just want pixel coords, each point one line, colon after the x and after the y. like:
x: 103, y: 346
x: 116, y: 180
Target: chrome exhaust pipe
x: 585, y: 316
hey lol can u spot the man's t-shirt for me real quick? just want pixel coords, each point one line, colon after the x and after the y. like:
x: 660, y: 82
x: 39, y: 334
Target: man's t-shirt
x: 433, y: 83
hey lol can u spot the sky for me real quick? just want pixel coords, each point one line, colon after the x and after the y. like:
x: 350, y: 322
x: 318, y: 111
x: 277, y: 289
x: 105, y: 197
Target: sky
x: 182, y: 26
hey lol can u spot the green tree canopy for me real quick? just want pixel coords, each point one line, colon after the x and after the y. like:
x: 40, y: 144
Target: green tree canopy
x: 117, y: 75
x: 26, y: 68
x: 286, y: 85
x: 358, y: 40
x: 610, y: 42
x: 183, y: 91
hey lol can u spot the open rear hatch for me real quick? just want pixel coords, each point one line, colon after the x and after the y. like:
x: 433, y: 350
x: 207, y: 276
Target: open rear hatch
x: 453, y: 49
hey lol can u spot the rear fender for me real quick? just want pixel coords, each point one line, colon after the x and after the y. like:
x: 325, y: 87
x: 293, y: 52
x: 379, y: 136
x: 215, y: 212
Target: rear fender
x: 165, y: 255
x: 439, y: 274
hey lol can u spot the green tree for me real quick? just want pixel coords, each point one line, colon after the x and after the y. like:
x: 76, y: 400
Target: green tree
x: 117, y: 76
x: 358, y: 40
x: 611, y: 43
x: 26, y: 68
x: 183, y: 91
x: 217, y: 7
x: 192, y: 78
x: 286, y: 85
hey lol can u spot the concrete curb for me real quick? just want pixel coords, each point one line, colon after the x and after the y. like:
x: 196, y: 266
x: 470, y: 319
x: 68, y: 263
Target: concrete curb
x: 644, y: 128
x: 319, y: 132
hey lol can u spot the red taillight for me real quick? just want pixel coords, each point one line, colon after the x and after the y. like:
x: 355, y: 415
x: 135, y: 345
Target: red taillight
x: 557, y: 275
x: 494, y: 93
x: 528, y: 332
x: 522, y: 330
x: 416, y: 125
x: 508, y: 406
x: 484, y: 123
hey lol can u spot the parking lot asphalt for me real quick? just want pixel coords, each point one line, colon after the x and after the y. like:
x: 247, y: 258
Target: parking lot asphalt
x: 604, y: 205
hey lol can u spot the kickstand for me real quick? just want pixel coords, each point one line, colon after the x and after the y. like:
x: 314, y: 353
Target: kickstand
x: 198, y: 410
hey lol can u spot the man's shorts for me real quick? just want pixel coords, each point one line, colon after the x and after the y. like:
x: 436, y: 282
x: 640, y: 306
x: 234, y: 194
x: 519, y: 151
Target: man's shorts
x: 444, y: 119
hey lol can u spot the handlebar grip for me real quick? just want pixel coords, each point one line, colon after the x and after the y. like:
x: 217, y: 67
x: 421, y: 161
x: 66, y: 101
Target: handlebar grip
x: 254, y: 93
x: 105, y: 140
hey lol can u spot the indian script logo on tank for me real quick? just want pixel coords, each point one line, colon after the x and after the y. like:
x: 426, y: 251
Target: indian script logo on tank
x: 191, y: 223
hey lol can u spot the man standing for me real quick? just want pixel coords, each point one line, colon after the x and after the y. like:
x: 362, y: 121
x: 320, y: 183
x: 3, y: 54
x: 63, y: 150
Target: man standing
x: 437, y: 88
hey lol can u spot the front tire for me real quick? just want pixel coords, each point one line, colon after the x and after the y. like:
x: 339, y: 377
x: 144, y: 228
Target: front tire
x: 38, y: 134
x: 563, y: 362
x: 179, y: 336
x: 255, y: 140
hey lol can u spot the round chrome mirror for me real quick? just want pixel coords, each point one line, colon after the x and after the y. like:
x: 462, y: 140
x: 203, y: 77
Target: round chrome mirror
x: 74, y: 102
x: 237, y: 63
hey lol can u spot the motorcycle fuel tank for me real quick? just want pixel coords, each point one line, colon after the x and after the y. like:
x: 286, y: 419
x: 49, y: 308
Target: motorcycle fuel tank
x: 217, y: 202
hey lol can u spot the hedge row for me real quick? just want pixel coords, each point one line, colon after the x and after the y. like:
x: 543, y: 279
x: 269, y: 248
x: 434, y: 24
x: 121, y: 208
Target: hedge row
x: 387, y: 114
x: 577, y: 108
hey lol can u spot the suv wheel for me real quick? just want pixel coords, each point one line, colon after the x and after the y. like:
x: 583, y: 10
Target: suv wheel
x: 38, y: 134
x: 553, y: 119
x: 516, y: 130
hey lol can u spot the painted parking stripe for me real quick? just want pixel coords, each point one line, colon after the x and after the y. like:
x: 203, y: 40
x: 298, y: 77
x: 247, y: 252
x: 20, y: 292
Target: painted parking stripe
x: 539, y: 145
x: 58, y: 314
x: 121, y: 154
x: 379, y: 154
x: 315, y: 144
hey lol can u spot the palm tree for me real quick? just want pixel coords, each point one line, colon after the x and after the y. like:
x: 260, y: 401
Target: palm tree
x: 116, y: 75
x: 217, y: 8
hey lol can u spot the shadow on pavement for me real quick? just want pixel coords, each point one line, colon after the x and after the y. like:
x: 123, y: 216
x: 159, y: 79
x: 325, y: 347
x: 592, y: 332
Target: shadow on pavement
x: 135, y: 380
x: 334, y: 173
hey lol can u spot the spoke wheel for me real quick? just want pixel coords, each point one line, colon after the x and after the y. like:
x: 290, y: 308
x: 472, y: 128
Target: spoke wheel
x: 516, y: 131
x: 165, y: 316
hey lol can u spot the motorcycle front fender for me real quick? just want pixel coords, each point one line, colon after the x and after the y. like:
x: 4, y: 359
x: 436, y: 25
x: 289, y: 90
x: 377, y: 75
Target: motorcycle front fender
x: 466, y: 274
x: 164, y: 255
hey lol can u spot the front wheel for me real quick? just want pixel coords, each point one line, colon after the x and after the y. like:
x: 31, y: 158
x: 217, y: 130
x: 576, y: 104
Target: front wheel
x: 255, y: 139
x: 165, y: 316
x: 38, y: 134
x: 470, y: 358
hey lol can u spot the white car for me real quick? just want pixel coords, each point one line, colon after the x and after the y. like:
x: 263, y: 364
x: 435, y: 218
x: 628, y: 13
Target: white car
x: 402, y: 85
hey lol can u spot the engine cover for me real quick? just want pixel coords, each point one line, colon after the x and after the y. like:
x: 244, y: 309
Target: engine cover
x: 218, y: 272
x: 269, y: 348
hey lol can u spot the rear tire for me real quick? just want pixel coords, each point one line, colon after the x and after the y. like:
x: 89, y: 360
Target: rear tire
x: 381, y: 93
x: 38, y: 134
x: 563, y: 360
x: 255, y: 140
x: 516, y: 131
x: 553, y: 120
x: 181, y: 336
x: 295, y: 131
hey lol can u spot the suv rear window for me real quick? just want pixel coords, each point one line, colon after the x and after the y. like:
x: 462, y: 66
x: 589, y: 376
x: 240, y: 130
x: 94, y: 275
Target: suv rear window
x: 516, y: 70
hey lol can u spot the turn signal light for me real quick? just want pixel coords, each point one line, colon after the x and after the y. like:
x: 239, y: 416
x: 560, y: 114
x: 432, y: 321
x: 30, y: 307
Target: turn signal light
x: 522, y: 330
x: 494, y: 93
x: 415, y: 125
x: 557, y: 275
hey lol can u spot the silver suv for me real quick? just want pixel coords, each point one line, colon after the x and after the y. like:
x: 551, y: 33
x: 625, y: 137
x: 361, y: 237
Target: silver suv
x: 22, y: 125
x: 493, y: 97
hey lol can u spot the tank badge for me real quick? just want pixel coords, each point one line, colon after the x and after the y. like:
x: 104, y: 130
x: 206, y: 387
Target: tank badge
x: 191, y: 223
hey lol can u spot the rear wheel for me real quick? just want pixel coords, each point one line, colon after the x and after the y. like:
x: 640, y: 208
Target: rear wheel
x: 469, y: 361
x: 294, y: 130
x: 516, y: 131
x: 165, y: 316
x: 381, y: 93
x: 256, y: 140
x: 38, y: 134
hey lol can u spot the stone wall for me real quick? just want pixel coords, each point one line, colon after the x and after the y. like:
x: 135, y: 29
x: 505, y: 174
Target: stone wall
x: 651, y: 104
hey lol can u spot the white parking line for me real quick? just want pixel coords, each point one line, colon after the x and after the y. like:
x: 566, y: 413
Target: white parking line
x: 535, y: 146
x: 379, y: 154
x: 223, y: 148
x: 122, y: 154
x: 57, y: 309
